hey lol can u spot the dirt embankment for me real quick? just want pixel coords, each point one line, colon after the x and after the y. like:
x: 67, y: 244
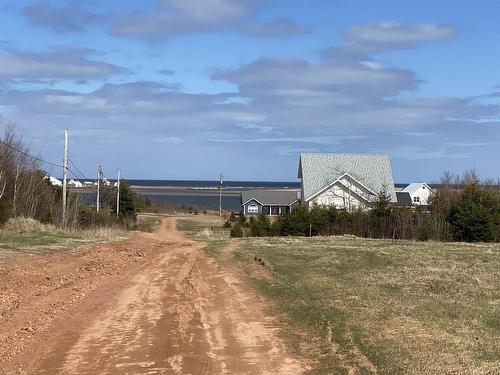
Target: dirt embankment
x: 154, y: 304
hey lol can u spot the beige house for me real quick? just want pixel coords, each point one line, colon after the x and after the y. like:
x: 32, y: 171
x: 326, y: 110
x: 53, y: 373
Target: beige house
x: 347, y: 181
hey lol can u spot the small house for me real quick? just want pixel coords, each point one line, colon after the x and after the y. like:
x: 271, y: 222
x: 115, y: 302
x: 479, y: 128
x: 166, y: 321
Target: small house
x: 346, y: 181
x: 54, y: 181
x: 268, y: 202
x: 75, y: 183
x: 419, y: 192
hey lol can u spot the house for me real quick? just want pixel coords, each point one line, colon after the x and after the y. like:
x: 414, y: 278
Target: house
x: 419, y: 192
x: 268, y: 202
x: 403, y: 199
x: 348, y: 181
x: 54, y: 181
x: 75, y: 183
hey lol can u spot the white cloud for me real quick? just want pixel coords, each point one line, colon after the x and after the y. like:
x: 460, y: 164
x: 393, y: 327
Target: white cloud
x: 177, y: 17
x: 279, y: 28
x: 74, y: 64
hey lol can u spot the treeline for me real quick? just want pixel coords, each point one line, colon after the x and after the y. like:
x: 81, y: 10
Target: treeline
x: 471, y: 214
x: 130, y: 204
x: 25, y: 191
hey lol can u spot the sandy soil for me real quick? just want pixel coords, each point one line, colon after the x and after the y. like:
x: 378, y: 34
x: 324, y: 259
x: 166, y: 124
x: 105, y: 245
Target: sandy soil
x: 154, y: 304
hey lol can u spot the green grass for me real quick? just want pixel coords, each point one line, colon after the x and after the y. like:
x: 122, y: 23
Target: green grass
x: 27, y: 240
x: 407, y: 308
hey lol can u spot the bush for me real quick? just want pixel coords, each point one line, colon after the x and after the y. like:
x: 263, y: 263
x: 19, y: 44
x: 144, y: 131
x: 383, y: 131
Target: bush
x: 88, y: 217
x: 236, y: 230
x: 25, y: 225
x: 260, y: 226
x: 475, y: 214
x: 296, y: 223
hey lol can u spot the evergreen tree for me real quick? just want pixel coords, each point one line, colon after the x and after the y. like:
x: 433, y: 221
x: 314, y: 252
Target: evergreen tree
x: 475, y: 214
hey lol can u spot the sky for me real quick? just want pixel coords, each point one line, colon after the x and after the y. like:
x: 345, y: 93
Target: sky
x: 188, y: 89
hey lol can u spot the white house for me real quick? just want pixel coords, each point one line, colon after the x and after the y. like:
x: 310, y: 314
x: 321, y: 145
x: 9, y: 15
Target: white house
x: 419, y: 192
x: 75, y: 183
x: 54, y: 181
x: 348, y: 181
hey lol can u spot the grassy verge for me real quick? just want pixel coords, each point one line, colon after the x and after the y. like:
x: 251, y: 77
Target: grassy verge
x: 147, y: 222
x: 364, y: 306
x: 26, y: 236
x: 207, y: 229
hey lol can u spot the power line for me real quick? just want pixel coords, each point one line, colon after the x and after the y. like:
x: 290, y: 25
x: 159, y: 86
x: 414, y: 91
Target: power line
x: 79, y: 171
x: 29, y: 155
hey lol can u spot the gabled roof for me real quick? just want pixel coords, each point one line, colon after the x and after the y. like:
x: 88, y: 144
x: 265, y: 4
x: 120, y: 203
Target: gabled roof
x: 345, y: 186
x: 404, y: 198
x: 318, y: 170
x: 270, y: 197
x: 414, y: 186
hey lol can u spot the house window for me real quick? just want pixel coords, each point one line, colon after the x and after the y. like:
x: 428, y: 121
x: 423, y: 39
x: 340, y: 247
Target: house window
x: 275, y: 210
x: 253, y: 209
x: 285, y: 209
x: 266, y: 210
x: 416, y: 199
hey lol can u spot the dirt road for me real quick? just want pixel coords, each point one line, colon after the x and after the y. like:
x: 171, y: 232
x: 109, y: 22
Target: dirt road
x: 180, y: 313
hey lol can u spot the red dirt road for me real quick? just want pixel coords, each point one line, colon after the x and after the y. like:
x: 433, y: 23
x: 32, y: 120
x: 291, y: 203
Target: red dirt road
x: 177, y: 312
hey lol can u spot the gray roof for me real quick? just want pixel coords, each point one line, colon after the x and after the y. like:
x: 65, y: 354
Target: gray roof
x: 404, y: 198
x: 319, y: 170
x: 414, y: 186
x: 270, y: 197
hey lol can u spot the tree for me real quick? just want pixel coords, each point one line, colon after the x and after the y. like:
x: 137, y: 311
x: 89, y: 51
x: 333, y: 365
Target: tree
x: 382, y: 205
x: 475, y: 214
x: 295, y: 223
x: 236, y: 230
x: 260, y: 226
x: 128, y: 202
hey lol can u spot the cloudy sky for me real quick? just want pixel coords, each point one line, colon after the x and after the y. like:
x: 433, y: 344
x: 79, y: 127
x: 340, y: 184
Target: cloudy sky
x: 185, y: 89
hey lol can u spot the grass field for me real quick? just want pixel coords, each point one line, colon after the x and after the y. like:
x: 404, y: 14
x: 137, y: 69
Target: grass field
x: 27, y: 236
x: 358, y: 306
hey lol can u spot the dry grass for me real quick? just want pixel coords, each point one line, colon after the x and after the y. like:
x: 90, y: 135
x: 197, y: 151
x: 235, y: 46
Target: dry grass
x: 27, y: 236
x: 204, y: 228
x: 359, y: 306
x: 25, y: 225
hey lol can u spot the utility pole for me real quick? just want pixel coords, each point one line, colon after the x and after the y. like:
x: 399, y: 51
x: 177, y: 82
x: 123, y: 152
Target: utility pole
x: 99, y: 175
x: 65, y: 176
x: 118, y: 193
x: 220, y: 194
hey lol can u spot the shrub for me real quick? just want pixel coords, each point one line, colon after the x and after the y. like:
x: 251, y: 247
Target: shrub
x: 26, y: 225
x: 296, y: 223
x: 475, y: 214
x: 319, y: 220
x: 236, y: 230
x: 260, y: 226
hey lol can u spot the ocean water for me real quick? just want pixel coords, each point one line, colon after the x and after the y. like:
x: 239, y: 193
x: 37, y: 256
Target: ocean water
x: 199, y: 193
x: 216, y: 184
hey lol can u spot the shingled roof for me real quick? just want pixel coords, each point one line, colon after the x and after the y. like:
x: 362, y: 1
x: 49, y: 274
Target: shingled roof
x: 318, y: 170
x: 270, y: 197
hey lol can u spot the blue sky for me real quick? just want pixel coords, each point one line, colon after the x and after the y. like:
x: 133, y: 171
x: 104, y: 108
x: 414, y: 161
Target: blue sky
x: 186, y: 89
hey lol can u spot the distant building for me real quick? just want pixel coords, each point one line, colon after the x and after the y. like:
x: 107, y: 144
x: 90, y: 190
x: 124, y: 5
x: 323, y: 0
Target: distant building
x: 419, y: 192
x: 75, y: 183
x: 268, y: 202
x: 348, y: 181
x: 54, y: 181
